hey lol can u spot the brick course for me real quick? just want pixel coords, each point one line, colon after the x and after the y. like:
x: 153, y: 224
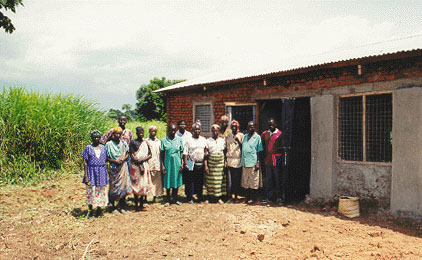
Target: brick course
x: 179, y: 103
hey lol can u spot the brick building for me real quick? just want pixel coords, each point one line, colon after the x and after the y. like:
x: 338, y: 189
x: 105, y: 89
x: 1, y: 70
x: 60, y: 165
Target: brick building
x: 355, y: 125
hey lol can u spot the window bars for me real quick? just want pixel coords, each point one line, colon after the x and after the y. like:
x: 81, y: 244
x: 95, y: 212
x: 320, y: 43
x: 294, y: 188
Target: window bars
x: 203, y: 114
x: 365, y: 125
x: 242, y: 114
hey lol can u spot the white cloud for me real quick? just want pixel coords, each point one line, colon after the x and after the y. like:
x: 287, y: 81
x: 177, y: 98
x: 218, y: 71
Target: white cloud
x: 107, y: 49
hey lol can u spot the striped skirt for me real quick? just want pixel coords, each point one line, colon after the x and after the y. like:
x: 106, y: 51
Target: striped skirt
x: 215, y: 181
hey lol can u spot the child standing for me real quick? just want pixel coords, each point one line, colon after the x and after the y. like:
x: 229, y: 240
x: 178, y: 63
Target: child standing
x: 95, y: 175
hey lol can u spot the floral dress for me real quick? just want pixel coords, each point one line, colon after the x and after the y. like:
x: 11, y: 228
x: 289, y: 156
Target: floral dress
x: 119, y: 174
x: 96, y: 192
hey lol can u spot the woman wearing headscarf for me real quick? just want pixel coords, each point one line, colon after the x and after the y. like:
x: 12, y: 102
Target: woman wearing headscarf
x: 234, y: 142
x: 215, y: 179
x: 126, y: 135
x: 95, y: 174
x: 224, y: 123
x: 117, y: 151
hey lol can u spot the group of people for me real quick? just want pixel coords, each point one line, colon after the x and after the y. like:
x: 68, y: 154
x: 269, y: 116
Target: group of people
x: 223, y: 163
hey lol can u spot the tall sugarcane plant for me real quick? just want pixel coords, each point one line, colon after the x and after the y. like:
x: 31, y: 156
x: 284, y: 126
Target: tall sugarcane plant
x: 41, y: 133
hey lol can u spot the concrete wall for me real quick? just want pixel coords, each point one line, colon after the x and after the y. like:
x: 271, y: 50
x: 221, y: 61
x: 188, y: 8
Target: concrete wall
x: 406, y: 190
x: 367, y: 181
x: 323, y: 149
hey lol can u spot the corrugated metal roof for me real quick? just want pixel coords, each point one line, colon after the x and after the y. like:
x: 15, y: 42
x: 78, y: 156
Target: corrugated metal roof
x: 403, y: 44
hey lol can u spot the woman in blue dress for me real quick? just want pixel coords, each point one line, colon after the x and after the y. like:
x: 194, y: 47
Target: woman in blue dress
x: 95, y: 174
x: 171, y: 162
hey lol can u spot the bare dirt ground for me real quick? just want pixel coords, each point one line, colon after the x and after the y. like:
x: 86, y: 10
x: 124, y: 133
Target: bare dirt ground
x: 47, y: 222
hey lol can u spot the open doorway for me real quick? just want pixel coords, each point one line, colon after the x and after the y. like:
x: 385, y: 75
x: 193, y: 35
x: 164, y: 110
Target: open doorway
x: 298, y: 165
x: 300, y: 153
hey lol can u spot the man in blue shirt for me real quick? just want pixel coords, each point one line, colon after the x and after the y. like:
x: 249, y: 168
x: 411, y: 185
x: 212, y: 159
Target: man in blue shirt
x: 251, y: 172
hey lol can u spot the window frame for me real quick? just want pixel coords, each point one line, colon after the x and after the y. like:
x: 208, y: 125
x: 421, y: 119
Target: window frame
x: 203, y: 103
x: 235, y: 104
x: 363, y: 95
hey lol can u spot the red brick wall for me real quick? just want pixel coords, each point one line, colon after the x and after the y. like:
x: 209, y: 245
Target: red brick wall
x: 179, y: 104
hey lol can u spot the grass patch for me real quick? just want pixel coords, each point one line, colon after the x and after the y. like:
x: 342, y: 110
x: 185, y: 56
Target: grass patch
x: 42, y: 133
x: 162, y: 127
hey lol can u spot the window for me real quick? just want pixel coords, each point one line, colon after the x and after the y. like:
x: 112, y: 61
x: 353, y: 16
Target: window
x: 243, y: 114
x: 203, y: 115
x: 365, y: 124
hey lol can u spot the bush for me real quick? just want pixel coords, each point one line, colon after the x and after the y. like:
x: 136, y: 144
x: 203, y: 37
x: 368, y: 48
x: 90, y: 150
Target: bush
x: 41, y: 133
x: 162, y: 127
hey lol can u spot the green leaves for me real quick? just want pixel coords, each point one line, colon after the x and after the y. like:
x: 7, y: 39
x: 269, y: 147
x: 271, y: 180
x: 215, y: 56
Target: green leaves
x: 43, y: 130
x: 151, y: 105
x: 5, y: 21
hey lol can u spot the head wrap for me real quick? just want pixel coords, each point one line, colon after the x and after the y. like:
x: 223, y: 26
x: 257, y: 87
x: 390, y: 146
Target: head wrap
x: 234, y: 122
x: 196, y: 124
x: 224, y: 118
x: 96, y: 133
x: 215, y: 126
x: 117, y: 128
x: 153, y: 127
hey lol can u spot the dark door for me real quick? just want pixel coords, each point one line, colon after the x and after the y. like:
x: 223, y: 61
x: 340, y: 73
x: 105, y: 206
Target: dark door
x: 297, y: 121
x: 299, y: 170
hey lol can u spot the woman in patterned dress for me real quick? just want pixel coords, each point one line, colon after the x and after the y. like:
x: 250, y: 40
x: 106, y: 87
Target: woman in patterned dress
x: 126, y: 135
x: 140, y: 175
x: 215, y: 179
x: 117, y: 151
x: 95, y: 174
x: 234, y: 154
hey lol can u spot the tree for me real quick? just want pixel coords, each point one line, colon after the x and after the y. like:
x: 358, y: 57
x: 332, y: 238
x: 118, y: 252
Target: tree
x: 152, y: 105
x: 114, y: 113
x: 128, y: 112
x: 126, y: 107
x: 5, y: 21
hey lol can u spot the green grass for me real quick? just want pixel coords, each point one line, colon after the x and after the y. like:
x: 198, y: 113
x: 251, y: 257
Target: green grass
x: 161, y: 133
x: 42, y: 133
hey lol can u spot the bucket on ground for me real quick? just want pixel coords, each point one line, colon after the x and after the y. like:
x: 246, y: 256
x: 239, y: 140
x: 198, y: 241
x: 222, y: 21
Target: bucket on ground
x: 348, y: 206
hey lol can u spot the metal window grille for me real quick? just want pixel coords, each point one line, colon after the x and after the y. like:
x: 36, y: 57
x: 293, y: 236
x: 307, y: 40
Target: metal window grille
x: 203, y: 114
x: 350, y: 126
x: 379, y: 123
x: 242, y: 114
x: 365, y: 124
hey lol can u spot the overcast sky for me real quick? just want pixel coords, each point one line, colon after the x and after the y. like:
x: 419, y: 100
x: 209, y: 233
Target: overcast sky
x: 105, y: 50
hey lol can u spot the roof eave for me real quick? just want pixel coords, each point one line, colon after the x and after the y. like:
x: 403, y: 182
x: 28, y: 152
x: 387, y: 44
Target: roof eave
x: 301, y: 70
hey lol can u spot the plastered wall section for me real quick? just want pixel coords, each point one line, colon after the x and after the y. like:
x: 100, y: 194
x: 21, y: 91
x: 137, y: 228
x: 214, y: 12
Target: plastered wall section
x: 406, y: 189
x: 366, y: 181
x: 323, y: 181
